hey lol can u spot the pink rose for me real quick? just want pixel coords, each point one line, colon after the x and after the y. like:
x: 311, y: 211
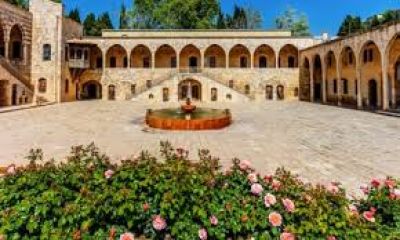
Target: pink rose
x: 287, y: 236
x: 370, y: 215
x: 269, y: 200
x: 159, y: 223
x: 275, y: 219
x: 395, y: 193
x: 244, y: 165
x: 353, y: 209
x: 332, y: 188
x: 375, y: 182
x: 203, y: 234
x: 256, y: 189
x: 268, y: 179
x: 108, y: 174
x: 365, y: 189
x: 11, y: 170
x: 276, y: 185
x: 127, y: 236
x: 214, y: 220
x: 390, y: 183
x: 289, y: 205
x: 252, y: 177
x: 331, y: 238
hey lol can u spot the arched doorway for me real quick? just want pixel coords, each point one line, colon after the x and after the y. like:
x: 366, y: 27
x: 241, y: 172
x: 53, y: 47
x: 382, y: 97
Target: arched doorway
x: 165, y: 57
x: 91, y: 90
x: 264, y: 57
x: 317, y: 88
x: 3, y: 93
x: 215, y: 57
x: 2, y: 42
x: 373, y: 93
x: 116, y: 57
x: 239, y: 57
x: 15, y: 48
x: 189, y: 88
x: 14, y: 94
x: 190, y: 58
x: 288, y: 56
x: 141, y: 57
x: 305, y: 80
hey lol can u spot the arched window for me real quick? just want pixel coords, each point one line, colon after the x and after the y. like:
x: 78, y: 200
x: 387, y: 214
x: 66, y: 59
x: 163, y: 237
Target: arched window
x: 214, y: 94
x: 243, y: 62
x: 291, y: 62
x: 111, y: 92
x: 269, y: 95
x: 165, y: 93
x: 46, y: 52
x: 247, y: 89
x: 262, y: 62
x: 280, y: 92
x: 42, y: 85
x: 345, y: 86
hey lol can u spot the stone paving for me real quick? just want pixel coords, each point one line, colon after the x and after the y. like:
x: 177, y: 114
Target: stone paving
x: 320, y: 143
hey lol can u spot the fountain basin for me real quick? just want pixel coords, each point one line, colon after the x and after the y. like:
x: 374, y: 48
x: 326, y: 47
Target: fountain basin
x: 176, y: 119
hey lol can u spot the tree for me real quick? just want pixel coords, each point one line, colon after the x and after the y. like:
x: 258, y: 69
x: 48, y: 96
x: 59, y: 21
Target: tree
x: 293, y: 21
x: 350, y: 25
x: 75, y: 15
x: 238, y: 20
x: 253, y: 17
x: 90, y: 25
x: 19, y: 3
x: 104, y: 21
x: 221, y: 21
x: 123, y: 18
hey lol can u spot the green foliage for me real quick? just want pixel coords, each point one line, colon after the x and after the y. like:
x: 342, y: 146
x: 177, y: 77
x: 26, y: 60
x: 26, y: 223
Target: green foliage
x: 123, y: 18
x: 78, y: 200
x: 93, y: 26
x: 75, y: 15
x: 293, y: 21
x: 350, y: 25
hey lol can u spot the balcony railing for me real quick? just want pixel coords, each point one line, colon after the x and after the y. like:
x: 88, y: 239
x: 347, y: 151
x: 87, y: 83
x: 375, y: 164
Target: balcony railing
x: 79, y: 63
x: 190, y: 70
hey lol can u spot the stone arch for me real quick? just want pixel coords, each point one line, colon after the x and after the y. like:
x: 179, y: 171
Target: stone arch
x: 331, y: 75
x: 116, y: 57
x: 215, y: 57
x: 305, y: 79
x: 371, y: 68
x: 4, y: 93
x: 190, y: 58
x: 96, y: 57
x: 91, y: 90
x: 190, y: 88
x: 15, y: 51
x: 264, y: 57
x: 317, y: 76
x: 239, y: 57
x: 288, y: 56
x: 2, y: 40
x: 393, y: 63
x: 348, y: 72
x: 165, y: 57
x: 141, y: 57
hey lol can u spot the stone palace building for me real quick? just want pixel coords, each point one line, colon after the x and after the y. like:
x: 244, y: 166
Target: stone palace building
x: 44, y: 57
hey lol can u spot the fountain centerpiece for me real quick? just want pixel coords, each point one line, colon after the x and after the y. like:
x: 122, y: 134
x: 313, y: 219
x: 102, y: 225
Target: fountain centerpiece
x: 188, y: 117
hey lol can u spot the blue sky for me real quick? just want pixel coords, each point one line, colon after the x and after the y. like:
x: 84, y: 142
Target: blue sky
x: 324, y: 15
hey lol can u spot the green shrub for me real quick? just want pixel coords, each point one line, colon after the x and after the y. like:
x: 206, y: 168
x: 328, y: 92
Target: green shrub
x: 89, y: 197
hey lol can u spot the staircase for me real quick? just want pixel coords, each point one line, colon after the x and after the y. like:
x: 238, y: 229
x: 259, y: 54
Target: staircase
x: 16, y: 73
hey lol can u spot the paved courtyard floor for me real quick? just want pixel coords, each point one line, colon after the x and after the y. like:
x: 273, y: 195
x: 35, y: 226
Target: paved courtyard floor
x: 320, y: 143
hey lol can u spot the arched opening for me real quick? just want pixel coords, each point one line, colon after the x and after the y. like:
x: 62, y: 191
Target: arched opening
x: 96, y: 58
x: 215, y: 57
x: 269, y: 92
x: 2, y: 40
x: 3, y: 93
x: 111, y: 92
x: 14, y: 94
x: 331, y: 86
x: 15, y: 47
x: 288, y: 56
x: 165, y: 94
x: 264, y: 57
x: 348, y: 73
x: 317, y: 74
x: 373, y: 93
x: 280, y: 92
x: 141, y: 57
x: 305, y: 80
x: 190, y: 59
x: 239, y: 57
x: 91, y: 90
x: 116, y: 57
x: 393, y: 52
x: 214, y: 94
x: 371, y: 68
x: 165, y: 57
x: 189, y: 88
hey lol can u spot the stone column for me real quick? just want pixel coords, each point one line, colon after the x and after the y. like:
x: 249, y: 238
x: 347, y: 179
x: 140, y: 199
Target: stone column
x: 251, y: 60
x: 324, y: 93
x: 227, y: 60
x: 359, y: 93
x: 202, y: 60
x: 153, y: 60
x: 128, y: 59
x: 339, y: 82
x: 312, y: 82
x: 277, y: 60
x: 104, y: 60
x: 6, y: 46
x: 385, y: 85
x: 393, y: 91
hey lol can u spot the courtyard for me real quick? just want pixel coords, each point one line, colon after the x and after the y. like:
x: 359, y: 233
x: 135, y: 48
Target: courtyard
x: 320, y: 143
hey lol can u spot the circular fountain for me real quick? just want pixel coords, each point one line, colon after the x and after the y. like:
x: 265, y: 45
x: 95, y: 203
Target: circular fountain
x: 188, y: 117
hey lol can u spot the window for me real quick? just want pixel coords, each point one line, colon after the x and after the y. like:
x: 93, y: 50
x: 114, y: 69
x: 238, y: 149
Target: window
x: 247, y: 89
x: 133, y: 89
x: 146, y: 62
x: 79, y: 54
x: 125, y: 62
x: 173, y: 62
x: 66, y: 54
x: 111, y: 92
x: 262, y: 62
x: 149, y: 83
x: 42, y: 85
x: 86, y: 54
x: 99, y: 62
x: 165, y: 93
x: 280, y: 92
x: 345, y: 86
x: 350, y: 58
x: 243, y: 62
x: 365, y: 57
x: 356, y: 87
x: 72, y: 53
x: 214, y: 94
x: 66, y: 85
x: 113, y: 62
x: 334, y: 86
x: 212, y: 62
x: 291, y: 62
x: 46, y: 52
x: 230, y: 84
x: 228, y: 96
x: 16, y: 50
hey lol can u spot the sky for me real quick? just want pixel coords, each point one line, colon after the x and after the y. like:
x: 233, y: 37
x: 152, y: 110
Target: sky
x: 323, y: 15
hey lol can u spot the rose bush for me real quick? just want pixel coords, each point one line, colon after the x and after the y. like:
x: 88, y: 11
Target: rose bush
x: 88, y: 197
